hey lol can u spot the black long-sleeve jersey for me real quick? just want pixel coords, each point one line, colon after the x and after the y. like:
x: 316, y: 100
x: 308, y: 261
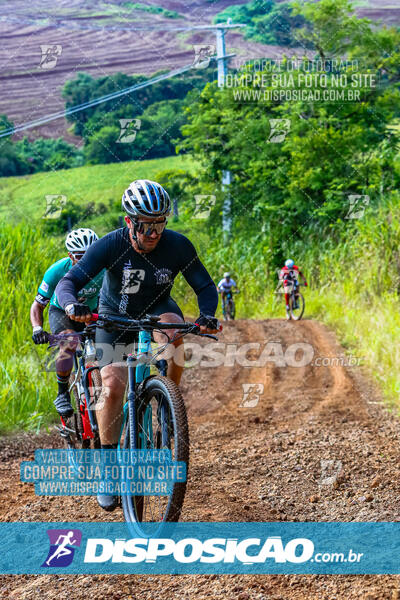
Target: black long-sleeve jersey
x: 135, y: 282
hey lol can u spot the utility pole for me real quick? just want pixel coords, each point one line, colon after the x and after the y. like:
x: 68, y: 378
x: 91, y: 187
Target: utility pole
x: 222, y: 62
x: 226, y: 175
x: 175, y: 209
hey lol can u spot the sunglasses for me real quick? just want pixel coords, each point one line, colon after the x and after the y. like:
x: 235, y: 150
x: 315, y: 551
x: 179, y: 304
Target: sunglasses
x: 78, y: 255
x: 148, y: 228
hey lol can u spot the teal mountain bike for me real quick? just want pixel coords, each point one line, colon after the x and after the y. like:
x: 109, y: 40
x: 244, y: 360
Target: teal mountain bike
x: 154, y: 417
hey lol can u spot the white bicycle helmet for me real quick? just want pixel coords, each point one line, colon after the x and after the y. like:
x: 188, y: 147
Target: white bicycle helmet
x: 289, y: 263
x: 146, y: 198
x: 227, y: 274
x: 79, y: 240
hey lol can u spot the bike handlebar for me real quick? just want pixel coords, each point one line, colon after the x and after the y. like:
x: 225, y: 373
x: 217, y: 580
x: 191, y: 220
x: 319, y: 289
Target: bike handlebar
x: 149, y: 323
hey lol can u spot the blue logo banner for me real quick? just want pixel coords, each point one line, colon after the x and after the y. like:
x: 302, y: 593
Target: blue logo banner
x: 201, y: 548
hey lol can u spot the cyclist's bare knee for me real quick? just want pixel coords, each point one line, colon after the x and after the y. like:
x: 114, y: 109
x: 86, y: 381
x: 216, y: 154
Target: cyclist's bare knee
x: 161, y: 338
x: 174, y: 353
x: 114, y: 378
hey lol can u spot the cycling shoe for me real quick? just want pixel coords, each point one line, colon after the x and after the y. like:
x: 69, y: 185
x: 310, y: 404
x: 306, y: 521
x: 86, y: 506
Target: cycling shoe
x: 63, y: 405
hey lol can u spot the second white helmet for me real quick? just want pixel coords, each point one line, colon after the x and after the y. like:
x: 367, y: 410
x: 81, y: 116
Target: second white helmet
x: 79, y: 240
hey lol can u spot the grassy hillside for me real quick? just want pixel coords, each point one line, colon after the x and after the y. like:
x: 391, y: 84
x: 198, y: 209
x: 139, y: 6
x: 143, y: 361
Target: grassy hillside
x: 24, y: 198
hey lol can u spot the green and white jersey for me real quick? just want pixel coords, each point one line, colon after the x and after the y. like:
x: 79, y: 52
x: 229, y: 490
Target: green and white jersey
x: 87, y: 295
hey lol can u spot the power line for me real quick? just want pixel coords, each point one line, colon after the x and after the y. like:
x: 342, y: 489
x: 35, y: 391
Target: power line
x: 85, y: 105
x: 46, y: 22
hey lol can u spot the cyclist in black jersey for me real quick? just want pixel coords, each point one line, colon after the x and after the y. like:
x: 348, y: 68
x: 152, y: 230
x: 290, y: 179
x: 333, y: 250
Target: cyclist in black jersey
x: 141, y: 262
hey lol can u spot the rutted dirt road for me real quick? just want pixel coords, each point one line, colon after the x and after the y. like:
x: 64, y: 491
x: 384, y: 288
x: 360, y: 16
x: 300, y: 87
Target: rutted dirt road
x: 250, y: 464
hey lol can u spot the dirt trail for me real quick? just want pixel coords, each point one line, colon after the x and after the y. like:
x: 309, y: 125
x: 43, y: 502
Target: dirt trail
x: 260, y: 463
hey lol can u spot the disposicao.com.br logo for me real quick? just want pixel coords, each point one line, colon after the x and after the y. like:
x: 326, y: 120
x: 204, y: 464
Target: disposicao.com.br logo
x: 196, y: 547
x: 212, y: 550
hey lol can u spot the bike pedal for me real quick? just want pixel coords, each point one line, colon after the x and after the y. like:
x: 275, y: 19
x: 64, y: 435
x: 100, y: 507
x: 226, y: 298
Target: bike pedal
x: 64, y: 431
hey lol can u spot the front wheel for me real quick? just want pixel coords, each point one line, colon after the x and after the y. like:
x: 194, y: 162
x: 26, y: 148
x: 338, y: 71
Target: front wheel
x: 296, y: 311
x: 229, y: 310
x: 161, y: 425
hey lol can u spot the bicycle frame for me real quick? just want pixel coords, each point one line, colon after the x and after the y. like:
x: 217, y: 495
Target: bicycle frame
x: 136, y: 374
x: 88, y: 419
x: 228, y: 298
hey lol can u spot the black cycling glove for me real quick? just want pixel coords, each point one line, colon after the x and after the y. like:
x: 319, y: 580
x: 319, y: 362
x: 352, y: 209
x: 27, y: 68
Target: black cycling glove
x: 207, y: 321
x: 77, y: 309
x: 40, y: 337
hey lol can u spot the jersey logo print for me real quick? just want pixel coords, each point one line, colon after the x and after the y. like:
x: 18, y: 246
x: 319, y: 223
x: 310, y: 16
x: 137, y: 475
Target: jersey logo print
x: 163, y: 276
x: 131, y: 280
x: 88, y: 292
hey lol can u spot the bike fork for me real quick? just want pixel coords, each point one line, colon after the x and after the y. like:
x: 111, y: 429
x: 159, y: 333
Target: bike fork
x: 131, y: 404
x: 136, y: 374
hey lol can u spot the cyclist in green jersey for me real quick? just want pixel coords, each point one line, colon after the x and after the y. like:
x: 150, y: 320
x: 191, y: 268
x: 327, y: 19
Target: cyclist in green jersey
x: 77, y: 242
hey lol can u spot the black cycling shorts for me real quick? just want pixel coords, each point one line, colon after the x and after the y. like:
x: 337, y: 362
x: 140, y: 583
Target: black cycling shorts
x: 59, y: 321
x: 112, y: 345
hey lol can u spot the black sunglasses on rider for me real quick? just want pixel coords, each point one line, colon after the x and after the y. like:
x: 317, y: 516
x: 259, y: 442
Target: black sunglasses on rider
x: 78, y: 255
x: 148, y: 228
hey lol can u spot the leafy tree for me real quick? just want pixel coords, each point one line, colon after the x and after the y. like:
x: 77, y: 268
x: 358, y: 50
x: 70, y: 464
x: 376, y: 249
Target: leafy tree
x: 159, y: 129
x: 48, y: 154
x: 279, y: 26
x: 85, y: 88
x: 177, y: 183
x: 267, y: 21
x: 331, y: 27
x: 300, y: 187
x: 102, y: 146
x: 10, y: 162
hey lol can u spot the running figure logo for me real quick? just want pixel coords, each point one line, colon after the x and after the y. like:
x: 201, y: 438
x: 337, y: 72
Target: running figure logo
x: 131, y: 280
x: 50, y: 55
x: 62, y: 542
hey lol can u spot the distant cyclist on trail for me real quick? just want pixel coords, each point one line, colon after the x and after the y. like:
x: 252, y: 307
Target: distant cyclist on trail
x: 224, y: 288
x: 77, y: 242
x: 225, y: 285
x: 141, y: 262
x: 288, y: 277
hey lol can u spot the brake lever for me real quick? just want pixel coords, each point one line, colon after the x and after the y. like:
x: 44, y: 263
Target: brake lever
x: 208, y: 335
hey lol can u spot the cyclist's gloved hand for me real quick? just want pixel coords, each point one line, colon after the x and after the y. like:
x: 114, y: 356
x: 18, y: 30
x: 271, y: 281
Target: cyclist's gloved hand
x: 39, y: 336
x: 207, y: 322
x: 78, y: 312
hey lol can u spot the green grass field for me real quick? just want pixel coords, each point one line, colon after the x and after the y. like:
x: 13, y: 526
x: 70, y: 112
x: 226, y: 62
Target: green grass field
x: 24, y: 198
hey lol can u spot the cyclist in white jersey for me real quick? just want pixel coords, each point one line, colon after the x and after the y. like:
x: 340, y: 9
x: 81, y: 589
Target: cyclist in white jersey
x: 225, y: 285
